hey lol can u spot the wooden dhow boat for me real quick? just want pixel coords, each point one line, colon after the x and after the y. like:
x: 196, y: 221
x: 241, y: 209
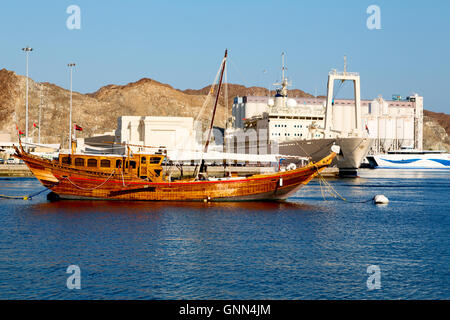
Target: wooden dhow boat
x: 140, y: 176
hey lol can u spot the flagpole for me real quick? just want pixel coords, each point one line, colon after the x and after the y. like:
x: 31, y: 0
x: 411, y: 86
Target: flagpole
x: 27, y: 50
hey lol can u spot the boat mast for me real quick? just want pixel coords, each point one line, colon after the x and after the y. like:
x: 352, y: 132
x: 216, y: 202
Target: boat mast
x: 205, y: 150
x: 215, y: 103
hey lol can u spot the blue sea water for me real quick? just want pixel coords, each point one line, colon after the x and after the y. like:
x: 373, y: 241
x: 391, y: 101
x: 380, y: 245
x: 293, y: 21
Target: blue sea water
x: 304, y: 248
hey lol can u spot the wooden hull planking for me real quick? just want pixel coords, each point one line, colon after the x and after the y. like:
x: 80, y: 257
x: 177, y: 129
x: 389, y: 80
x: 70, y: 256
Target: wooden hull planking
x: 73, y: 183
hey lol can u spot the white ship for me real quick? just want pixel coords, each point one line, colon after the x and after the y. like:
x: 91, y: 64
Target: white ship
x: 411, y: 159
x: 295, y: 129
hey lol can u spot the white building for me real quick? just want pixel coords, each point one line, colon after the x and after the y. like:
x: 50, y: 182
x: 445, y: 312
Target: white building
x: 171, y: 133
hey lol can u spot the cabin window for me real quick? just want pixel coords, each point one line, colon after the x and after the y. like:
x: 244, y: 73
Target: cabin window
x: 79, y: 162
x: 105, y: 163
x: 65, y: 160
x: 92, y: 163
x: 155, y: 160
x: 143, y: 159
x: 118, y: 163
x: 131, y: 164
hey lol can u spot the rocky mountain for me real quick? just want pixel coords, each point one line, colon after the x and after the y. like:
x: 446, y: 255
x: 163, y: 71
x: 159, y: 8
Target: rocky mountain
x: 436, y: 131
x: 98, y: 112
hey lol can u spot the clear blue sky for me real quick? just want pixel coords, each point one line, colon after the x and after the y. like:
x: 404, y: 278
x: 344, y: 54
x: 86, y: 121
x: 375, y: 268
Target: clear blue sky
x: 182, y: 42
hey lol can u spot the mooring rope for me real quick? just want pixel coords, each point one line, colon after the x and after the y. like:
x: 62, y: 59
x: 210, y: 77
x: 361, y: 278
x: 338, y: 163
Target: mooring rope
x: 27, y: 197
x: 332, y: 191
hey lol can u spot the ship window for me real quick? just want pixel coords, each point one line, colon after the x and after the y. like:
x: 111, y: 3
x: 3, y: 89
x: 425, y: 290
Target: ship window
x: 118, y: 163
x: 92, y: 163
x: 155, y: 160
x: 79, y: 162
x: 105, y: 163
x: 143, y: 159
x: 65, y: 160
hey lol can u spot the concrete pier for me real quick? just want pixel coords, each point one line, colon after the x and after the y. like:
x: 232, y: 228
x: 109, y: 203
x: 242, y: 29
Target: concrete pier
x: 14, y: 170
x: 21, y: 170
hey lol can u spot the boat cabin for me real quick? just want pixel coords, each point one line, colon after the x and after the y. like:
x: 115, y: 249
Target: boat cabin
x: 144, y: 166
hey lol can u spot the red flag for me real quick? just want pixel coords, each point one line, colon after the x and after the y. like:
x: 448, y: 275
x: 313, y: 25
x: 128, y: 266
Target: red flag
x: 77, y: 127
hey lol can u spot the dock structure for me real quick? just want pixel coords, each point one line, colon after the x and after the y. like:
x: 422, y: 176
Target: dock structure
x: 14, y: 170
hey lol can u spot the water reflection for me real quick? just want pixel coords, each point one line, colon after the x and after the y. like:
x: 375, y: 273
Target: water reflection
x: 144, y: 207
x: 303, y: 248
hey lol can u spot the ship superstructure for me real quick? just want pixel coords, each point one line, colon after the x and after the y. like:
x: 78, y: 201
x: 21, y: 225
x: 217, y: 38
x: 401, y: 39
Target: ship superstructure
x: 288, y: 127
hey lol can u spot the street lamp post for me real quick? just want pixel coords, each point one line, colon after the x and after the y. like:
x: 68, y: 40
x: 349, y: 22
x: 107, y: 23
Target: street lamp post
x: 39, y: 121
x: 70, y: 65
x: 27, y: 51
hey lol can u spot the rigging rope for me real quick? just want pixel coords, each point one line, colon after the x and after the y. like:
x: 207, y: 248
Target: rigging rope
x: 90, y: 189
x: 226, y: 98
x: 215, y: 80
x: 338, y: 89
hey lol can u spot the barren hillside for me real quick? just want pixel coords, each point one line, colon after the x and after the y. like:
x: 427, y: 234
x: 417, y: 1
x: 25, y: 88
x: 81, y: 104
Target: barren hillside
x: 98, y: 112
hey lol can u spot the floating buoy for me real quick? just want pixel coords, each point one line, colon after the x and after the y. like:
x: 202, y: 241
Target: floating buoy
x: 380, y: 199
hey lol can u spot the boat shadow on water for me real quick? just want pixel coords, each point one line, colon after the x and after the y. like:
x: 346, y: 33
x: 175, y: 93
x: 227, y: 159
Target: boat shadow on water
x: 154, y: 207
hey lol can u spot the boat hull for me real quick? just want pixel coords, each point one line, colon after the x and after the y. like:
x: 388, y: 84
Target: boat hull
x: 353, y: 150
x: 72, y: 183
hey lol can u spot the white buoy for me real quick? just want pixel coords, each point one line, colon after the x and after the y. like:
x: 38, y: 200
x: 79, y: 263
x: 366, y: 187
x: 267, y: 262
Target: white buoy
x: 380, y: 199
x: 291, y: 166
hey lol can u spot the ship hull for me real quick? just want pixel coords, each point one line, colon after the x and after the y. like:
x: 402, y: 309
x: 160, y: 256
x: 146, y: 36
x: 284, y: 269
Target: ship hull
x: 72, y: 183
x: 410, y: 161
x: 353, y: 150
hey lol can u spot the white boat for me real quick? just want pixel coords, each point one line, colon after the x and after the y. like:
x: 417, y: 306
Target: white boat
x: 411, y: 159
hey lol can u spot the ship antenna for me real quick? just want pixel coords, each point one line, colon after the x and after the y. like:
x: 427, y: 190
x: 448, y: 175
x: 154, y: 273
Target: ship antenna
x: 284, y: 81
x: 345, y: 65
